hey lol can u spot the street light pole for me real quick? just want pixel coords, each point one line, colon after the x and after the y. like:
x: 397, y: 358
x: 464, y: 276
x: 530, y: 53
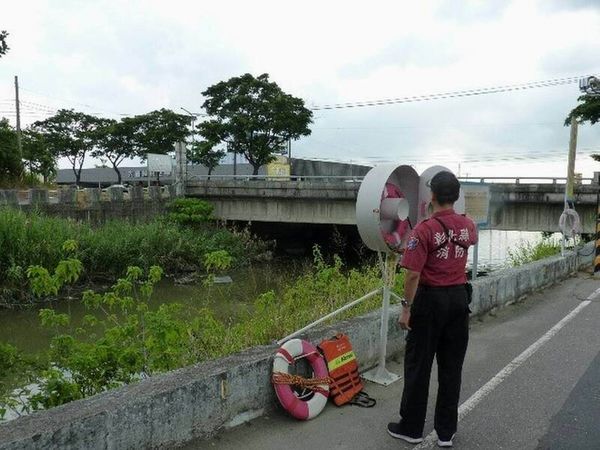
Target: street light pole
x: 18, y: 111
x: 193, y: 120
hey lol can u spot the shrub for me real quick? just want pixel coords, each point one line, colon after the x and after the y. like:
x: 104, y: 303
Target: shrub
x: 190, y: 211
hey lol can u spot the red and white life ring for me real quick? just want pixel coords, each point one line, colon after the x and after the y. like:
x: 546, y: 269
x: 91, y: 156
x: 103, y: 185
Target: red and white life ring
x: 285, y: 357
x: 569, y: 223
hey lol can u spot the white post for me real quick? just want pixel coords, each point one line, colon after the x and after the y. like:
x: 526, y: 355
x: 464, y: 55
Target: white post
x: 475, y: 257
x: 380, y: 374
x: 180, y: 168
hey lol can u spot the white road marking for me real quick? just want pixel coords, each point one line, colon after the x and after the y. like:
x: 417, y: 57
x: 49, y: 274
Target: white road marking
x: 488, y: 387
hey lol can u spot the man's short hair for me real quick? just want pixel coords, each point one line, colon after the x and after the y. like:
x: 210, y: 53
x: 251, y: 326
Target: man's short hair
x: 446, y: 187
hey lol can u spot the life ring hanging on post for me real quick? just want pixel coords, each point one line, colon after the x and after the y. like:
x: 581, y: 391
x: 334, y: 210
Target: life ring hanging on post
x: 569, y: 223
x: 286, y: 356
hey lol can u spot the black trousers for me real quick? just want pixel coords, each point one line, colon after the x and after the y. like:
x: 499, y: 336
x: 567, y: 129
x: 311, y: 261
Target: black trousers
x: 440, y: 327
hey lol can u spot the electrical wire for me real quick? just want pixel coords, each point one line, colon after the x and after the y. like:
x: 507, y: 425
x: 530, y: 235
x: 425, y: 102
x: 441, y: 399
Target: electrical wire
x: 73, y: 102
x: 379, y: 102
x: 444, y: 156
x: 452, y: 94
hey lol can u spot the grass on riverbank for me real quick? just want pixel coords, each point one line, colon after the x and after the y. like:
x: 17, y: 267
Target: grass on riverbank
x: 527, y: 252
x: 107, y: 251
x: 319, y: 291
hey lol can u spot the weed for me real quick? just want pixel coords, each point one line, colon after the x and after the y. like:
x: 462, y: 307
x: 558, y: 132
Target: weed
x: 527, y: 252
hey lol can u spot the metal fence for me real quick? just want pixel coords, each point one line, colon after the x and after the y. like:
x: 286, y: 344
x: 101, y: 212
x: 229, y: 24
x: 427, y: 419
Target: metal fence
x: 530, y: 180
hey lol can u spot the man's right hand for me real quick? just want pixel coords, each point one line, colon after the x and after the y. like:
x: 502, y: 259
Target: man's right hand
x: 404, y: 319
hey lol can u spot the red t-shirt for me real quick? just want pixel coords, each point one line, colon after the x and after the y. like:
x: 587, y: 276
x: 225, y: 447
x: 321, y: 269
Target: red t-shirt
x: 432, y: 253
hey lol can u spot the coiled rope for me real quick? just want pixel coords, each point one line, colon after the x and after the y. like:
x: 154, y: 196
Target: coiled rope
x: 313, y: 384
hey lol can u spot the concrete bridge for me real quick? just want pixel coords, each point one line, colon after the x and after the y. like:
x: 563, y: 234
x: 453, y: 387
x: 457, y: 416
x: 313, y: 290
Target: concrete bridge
x: 517, y: 205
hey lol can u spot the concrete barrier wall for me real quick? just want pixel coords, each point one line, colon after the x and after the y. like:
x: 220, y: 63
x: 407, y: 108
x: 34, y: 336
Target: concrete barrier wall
x: 92, y: 204
x: 169, y: 409
x: 510, y: 285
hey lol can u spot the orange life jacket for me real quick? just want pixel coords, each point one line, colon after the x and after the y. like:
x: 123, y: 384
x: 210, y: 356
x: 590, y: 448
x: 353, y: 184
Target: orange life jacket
x: 343, y: 368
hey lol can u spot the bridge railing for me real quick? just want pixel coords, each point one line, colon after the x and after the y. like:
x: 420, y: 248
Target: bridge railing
x: 317, y: 178
x: 519, y: 180
x: 358, y: 179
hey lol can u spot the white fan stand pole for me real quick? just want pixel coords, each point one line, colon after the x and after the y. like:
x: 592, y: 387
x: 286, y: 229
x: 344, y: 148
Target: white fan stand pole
x: 380, y: 374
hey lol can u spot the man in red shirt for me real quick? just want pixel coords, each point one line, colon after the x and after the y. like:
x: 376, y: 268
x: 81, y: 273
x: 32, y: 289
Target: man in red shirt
x: 436, y: 313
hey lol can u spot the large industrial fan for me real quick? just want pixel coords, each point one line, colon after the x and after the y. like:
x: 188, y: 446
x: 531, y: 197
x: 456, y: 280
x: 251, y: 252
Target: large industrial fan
x: 391, y: 200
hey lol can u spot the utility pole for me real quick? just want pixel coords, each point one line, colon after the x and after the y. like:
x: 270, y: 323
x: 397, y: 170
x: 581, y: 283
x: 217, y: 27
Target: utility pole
x: 234, y: 162
x: 569, y: 194
x: 569, y: 187
x: 18, y: 110
x: 591, y: 86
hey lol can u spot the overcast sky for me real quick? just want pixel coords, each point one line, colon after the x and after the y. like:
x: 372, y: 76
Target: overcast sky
x: 114, y: 57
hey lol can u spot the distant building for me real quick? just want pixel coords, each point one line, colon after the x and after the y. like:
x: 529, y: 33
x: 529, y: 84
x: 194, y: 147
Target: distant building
x: 106, y: 176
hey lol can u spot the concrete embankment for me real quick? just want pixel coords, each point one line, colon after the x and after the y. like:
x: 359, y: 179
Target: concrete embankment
x: 92, y: 205
x: 173, y: 408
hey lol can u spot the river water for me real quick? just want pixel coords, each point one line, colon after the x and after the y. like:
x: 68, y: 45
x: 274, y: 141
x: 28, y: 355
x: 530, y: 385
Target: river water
x: 494, y: 246
x: 22, y: 328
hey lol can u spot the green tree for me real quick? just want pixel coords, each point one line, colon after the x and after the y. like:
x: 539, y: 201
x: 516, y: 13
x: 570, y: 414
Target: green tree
x: 587, y: 111
x: 4, y: 48
x: 154, y: 132
x: 158, y: 131
x: 204, y: 153
x: 10, y: 161
x: 116, y: 141
x: 37, y: 155
x: 70, y: 134
x: 254, y: 116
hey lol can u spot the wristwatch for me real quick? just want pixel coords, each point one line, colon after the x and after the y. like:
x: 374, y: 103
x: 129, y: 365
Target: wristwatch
x: 405, y: 303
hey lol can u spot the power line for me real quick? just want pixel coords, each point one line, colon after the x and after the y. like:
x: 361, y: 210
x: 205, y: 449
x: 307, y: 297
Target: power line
x: 491, y: 156
x: 72, y: 102
x: 453, y: 94
x: 35, y: 105
x: 429, y: 126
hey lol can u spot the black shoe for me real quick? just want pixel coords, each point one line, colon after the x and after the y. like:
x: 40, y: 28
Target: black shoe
x: 395, y: 430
